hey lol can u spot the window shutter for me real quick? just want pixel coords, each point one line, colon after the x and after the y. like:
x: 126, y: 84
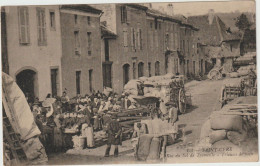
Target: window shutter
x: 128, y: 15
x: 141, y: 39
x: 23, y: 25
x: 132, y: 38
x: 136, y: 38
x: 125, y: 37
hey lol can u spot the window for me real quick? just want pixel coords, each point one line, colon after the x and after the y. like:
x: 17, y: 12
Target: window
x: 88, y: 17
x: 151, y: 25
x: 52, y: 20
x: 167, y: 41
x: 157, y: 68
x: 133, y: 39
x: 194, y: 67
x: 106, y: 50
x: 139, y: 39
x: 176, y: 40
x: 149, y: 69
x: 89, y: 43
x: 159, y: 25
x: 123, y: 14
x: 24, y: 31
x: 231, y: 47
x: 156, y: 39
x: 78, y: 75
x: 77, y: 42
x: 140, y: 69
x: 125, y: 38
x: 90, y: 72
x: 155, y: 23
x: 171, y: 41
x: 76, y: 19
x: 151, y: 39
x: 188, y: 46
x: 41, y: 27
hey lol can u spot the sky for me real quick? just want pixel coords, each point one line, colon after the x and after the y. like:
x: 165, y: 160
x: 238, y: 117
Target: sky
x: 200, y: 8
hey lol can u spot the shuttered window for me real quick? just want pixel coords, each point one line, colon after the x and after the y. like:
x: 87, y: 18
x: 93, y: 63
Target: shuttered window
x: 176, y: 40
x: 24, y: 31
x: 123, y: 14
x: 139, y: 39
x: 125, y: 33
x: 77, y: 42
x: 151, y: 40
x: 133, y: 39
x: 156, y: 39
x: 89, y: 43
x: 41, y: 27
x: 171, y: 41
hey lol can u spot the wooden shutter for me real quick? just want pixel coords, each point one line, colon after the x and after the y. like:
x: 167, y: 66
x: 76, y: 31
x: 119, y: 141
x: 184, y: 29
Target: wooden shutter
x: 128, y: 14
x: 41, y: 26
x: 140, y: 39
x: 125, y: 37
x: 132, y: 38
x: 24, y: 32
x: 136, y: 38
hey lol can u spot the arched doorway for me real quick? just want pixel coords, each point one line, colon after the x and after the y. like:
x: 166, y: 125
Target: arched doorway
x: 26, y: 80
x: 126, y: 68
x: 140, y: 69
x: 157, y: 68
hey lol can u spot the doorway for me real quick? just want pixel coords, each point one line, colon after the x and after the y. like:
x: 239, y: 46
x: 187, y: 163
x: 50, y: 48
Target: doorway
x: 126, y: 68
x: 27, y: 80
x: 140, y: 69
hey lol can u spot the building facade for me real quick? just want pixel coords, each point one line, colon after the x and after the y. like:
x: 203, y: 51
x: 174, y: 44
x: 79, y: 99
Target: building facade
x: 81, y: 49
x: 147, y: 43
x: 216, y: 42
x: 33, y: 45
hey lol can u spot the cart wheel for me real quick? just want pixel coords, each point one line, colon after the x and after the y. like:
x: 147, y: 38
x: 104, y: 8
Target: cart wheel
x: 182, y: 101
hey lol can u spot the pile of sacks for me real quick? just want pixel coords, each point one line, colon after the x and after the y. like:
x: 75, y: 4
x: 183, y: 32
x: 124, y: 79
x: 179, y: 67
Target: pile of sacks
x: 221, y: 127
x: 242, y: 71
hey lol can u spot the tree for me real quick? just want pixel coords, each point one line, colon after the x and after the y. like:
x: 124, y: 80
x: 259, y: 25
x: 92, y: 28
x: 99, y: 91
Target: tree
x: 242, y: 22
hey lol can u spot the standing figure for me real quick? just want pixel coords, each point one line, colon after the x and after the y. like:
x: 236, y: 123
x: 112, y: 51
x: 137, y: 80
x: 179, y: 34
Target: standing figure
x: 114, y: 132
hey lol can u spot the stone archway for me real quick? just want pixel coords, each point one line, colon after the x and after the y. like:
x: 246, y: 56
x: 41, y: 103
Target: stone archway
x: 27, y: 81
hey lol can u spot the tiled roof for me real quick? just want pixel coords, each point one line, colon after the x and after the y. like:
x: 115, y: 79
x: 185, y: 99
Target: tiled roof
x: 107, y: 33
x: 214, y: 33
x: 83, y: 8
x: 226, y: 34
x: 176, y: 18
x: 208, y: 33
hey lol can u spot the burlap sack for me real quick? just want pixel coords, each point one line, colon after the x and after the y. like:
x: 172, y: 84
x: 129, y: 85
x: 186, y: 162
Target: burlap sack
x: 226, y: 122
x: 217, y: 135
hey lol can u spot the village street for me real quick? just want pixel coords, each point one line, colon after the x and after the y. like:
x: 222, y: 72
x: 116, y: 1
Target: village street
x: 205, y: 99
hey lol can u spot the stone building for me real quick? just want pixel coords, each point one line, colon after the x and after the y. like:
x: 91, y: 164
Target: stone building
x: 145, y: 42
x: 81, y: 49
x: 216, y: 41
x: 32, y: 44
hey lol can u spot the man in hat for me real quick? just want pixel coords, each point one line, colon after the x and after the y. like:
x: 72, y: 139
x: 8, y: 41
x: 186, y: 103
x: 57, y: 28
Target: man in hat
x: 114, y: 132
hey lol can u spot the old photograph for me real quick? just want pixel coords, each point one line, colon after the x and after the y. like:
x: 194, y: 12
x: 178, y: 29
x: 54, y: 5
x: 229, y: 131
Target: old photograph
x: 129, y: 83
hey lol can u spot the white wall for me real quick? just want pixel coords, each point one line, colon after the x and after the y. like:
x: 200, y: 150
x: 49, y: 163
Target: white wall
x: 32, y: 56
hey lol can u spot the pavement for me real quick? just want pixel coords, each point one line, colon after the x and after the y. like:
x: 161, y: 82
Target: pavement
x: 205, y: 99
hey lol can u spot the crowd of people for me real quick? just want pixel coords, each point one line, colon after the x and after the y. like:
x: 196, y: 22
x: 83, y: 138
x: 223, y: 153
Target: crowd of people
x: 56, y: 114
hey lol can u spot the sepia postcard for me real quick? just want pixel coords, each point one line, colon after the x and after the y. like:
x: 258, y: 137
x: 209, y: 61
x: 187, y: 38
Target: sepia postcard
x: 129, y: 83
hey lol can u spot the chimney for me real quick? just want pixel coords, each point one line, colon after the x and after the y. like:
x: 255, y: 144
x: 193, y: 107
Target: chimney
x: 211, y: 15
x: 170, y: 9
